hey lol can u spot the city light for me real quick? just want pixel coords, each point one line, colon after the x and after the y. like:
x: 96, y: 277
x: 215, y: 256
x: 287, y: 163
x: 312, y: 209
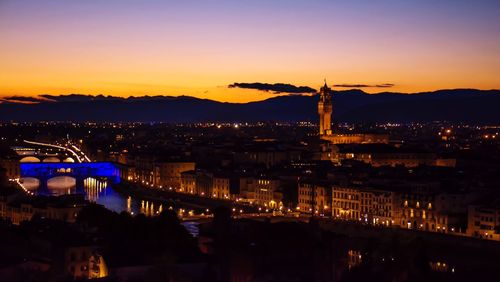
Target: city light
x: 266, y: 141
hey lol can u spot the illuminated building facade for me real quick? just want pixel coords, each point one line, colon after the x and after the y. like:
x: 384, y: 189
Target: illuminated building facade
x: 205, y: 184
x: 378, y: 155
x: 168, y: 173
x: 127, y: 172
x: 266, y: 192
x: 188, y: 182
x: 151, y: 171
x: 379, y: 206
x: 484, y: 221
x: 346, y: 203
x: 370, y: 205
x: 262, y: 191
x: 63, y: 208
x: 314, y: 197
x: 144, y: 169
x: 83, y: 262
x: 419, y: 211
x: 220, y: 187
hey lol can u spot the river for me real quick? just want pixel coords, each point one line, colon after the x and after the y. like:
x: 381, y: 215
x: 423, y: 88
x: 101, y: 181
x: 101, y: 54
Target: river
x: 98, y: 190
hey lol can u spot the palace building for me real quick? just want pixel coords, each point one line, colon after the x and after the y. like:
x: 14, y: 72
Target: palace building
x: 325, y: 109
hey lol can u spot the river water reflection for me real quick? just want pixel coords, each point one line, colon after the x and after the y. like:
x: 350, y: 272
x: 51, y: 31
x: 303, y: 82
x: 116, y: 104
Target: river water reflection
x: 99, y: 191
x: 95, y: 190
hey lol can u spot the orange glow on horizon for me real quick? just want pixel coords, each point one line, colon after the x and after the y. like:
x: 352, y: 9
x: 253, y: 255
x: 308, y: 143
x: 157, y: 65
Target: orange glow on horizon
x: 217, y: 93
x: 197, y: 48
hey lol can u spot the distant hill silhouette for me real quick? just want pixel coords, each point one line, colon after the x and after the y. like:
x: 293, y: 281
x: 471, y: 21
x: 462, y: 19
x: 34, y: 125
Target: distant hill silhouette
x: 458, y: 105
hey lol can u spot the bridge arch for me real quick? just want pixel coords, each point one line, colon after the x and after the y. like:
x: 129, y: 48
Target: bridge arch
x: 30, y: 183
x: 51, y: 160
x: 61, y: 185
x: 29, y: 159
x: 65, y: 180
x: 68, y: 160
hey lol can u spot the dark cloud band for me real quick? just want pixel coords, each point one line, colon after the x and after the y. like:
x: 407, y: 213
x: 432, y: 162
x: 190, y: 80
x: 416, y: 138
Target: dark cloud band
x: 276, y: 88
x: 383, y: 85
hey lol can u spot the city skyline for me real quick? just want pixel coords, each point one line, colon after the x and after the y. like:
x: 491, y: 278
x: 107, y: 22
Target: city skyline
x: 199, y: 49
x: 249, y: 140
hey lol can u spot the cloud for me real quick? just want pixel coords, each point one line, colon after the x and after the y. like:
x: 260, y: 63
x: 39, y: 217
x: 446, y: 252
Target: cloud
x: 384, y: 85
x: 277, y: 88
x: 25, y: 99
x: 347, y: 85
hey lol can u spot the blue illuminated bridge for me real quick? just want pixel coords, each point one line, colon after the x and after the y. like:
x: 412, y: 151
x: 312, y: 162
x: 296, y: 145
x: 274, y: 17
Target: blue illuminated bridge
x: 80, y: 171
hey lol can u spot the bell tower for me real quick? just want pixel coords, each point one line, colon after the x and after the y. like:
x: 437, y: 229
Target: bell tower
x: 325, y: 111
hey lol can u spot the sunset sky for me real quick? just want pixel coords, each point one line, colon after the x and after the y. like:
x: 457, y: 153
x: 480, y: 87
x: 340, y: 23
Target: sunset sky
x: 197, y: 48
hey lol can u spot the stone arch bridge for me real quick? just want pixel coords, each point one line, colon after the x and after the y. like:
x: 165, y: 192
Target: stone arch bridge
x: 80, y: 171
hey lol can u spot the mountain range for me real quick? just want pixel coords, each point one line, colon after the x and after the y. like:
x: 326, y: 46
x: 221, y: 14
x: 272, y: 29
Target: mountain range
x: 456, y: 105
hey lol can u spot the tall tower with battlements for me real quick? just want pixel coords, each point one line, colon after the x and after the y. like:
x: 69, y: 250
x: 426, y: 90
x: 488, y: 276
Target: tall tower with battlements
x: 325, y: 111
